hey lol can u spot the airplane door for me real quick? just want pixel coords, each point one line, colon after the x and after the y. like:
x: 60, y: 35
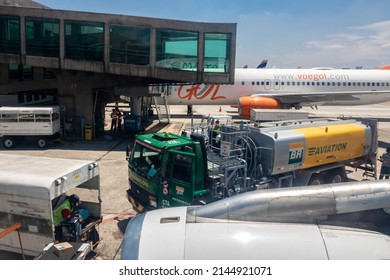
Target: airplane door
x: 276, y: 85
x: 267, y: 84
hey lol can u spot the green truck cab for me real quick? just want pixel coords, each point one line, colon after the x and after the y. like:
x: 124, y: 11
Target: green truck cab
x: 165, y: 171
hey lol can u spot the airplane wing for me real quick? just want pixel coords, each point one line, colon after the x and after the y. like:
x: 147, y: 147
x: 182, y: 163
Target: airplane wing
x: 315, y: 98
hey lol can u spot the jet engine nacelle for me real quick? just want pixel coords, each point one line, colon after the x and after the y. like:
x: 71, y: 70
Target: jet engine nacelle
x: 246, y: 103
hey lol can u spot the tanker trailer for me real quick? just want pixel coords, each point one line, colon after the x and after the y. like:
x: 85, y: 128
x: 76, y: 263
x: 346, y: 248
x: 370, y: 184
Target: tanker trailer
x: 311, y: 152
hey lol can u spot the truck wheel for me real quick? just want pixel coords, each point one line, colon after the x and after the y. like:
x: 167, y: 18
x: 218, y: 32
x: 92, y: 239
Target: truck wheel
x: 336, y: 176
x: 41, y: 142
x: 316, y: 179
x: 8, y: 143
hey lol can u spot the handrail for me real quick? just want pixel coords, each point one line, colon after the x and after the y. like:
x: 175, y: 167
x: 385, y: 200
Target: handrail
x: 10, y: 229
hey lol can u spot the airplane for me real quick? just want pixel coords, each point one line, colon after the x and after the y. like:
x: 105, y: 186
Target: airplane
x: 288, y: 88
x: 344, y: 221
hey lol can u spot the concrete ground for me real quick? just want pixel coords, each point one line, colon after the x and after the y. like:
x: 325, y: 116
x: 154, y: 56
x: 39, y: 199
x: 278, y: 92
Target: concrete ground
x: 110, y: 153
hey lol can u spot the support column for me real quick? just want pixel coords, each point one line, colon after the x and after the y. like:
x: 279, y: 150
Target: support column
x: 135, y: 104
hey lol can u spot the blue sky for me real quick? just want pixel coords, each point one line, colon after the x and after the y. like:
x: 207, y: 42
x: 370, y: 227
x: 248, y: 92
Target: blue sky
x: 289, y: 33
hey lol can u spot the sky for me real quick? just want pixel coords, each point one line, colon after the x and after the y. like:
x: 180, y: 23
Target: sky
x: 289, y: 33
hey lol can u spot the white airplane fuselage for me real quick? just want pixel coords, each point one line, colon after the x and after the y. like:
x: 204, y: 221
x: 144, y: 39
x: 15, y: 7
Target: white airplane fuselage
x: 291, y: 86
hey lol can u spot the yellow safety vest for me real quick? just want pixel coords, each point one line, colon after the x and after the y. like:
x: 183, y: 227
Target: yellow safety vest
x: 57, y: 212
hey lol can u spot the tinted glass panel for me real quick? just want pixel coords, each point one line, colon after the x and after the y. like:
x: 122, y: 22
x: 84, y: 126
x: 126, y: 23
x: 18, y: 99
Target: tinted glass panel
x: 130, y: 45
x: 9, y: 34
x: 84, y: 40
x: 176, y: 49
x: 217, y: 52
x: 42, y: 37
x: 19, y: 72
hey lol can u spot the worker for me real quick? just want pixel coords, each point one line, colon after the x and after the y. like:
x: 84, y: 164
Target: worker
x: 66, y: 210
x: 216, y: 135
x: 119, y: 117
x: 114, y: 120
x: 385, y: 168
x: 217, y: 126
x: 189, y: 109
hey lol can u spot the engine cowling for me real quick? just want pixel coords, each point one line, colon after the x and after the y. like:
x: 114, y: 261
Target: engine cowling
x: 246, y: 103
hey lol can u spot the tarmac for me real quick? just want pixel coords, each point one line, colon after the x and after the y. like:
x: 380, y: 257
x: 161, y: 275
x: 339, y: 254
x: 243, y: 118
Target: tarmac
x: 110, y: 153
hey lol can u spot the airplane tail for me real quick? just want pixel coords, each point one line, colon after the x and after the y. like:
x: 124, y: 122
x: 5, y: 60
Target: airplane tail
x: 262, y: 64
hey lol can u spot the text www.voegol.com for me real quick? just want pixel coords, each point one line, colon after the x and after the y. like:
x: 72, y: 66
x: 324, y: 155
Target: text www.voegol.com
x: 312, y: 77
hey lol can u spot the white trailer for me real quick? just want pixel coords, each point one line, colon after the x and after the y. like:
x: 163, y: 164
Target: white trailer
x: 41, y: 123
x: 265, y: 115
x: 29, y: 189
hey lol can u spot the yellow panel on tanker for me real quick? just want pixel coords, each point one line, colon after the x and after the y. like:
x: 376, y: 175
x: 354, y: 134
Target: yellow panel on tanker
x: 333, y: 143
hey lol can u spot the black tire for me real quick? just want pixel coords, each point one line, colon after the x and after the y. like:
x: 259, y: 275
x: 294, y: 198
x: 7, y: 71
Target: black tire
x: 41, y: 143
x: 336, y: 176
x: 8, y: 142
x: 316, y: 179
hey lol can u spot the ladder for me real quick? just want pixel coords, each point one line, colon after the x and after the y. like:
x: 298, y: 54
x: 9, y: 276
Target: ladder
x: 159, y: 94
x: 162, y: 108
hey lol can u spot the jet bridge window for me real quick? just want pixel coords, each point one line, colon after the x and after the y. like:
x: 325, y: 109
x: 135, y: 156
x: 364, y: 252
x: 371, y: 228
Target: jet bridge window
x: 84, y: 40
x: 129, y: 45
x: 217, y: 51
x: 9, y: 34
x: 176, y: 49
x: 42, y: 37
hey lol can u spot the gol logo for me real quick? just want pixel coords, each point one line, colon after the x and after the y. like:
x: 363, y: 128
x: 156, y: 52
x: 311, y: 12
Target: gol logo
x: 196, y: 92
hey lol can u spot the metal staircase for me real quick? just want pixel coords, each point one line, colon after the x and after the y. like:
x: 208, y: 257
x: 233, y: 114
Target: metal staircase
x: 159, y: 94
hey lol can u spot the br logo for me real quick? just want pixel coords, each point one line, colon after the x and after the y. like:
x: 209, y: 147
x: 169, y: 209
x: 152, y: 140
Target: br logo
x: 295, y: 154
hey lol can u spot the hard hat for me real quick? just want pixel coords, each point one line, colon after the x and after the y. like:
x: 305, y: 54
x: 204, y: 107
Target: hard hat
x: 74, y: 198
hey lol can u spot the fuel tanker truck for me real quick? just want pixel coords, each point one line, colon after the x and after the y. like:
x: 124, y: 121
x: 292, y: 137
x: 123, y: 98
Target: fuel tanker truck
x: 167, y: 170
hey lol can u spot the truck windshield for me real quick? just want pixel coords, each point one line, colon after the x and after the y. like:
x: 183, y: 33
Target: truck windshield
x: 145, y: 159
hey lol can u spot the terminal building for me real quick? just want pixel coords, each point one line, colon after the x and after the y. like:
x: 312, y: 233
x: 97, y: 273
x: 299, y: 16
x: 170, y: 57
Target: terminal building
x: 82, y: 61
